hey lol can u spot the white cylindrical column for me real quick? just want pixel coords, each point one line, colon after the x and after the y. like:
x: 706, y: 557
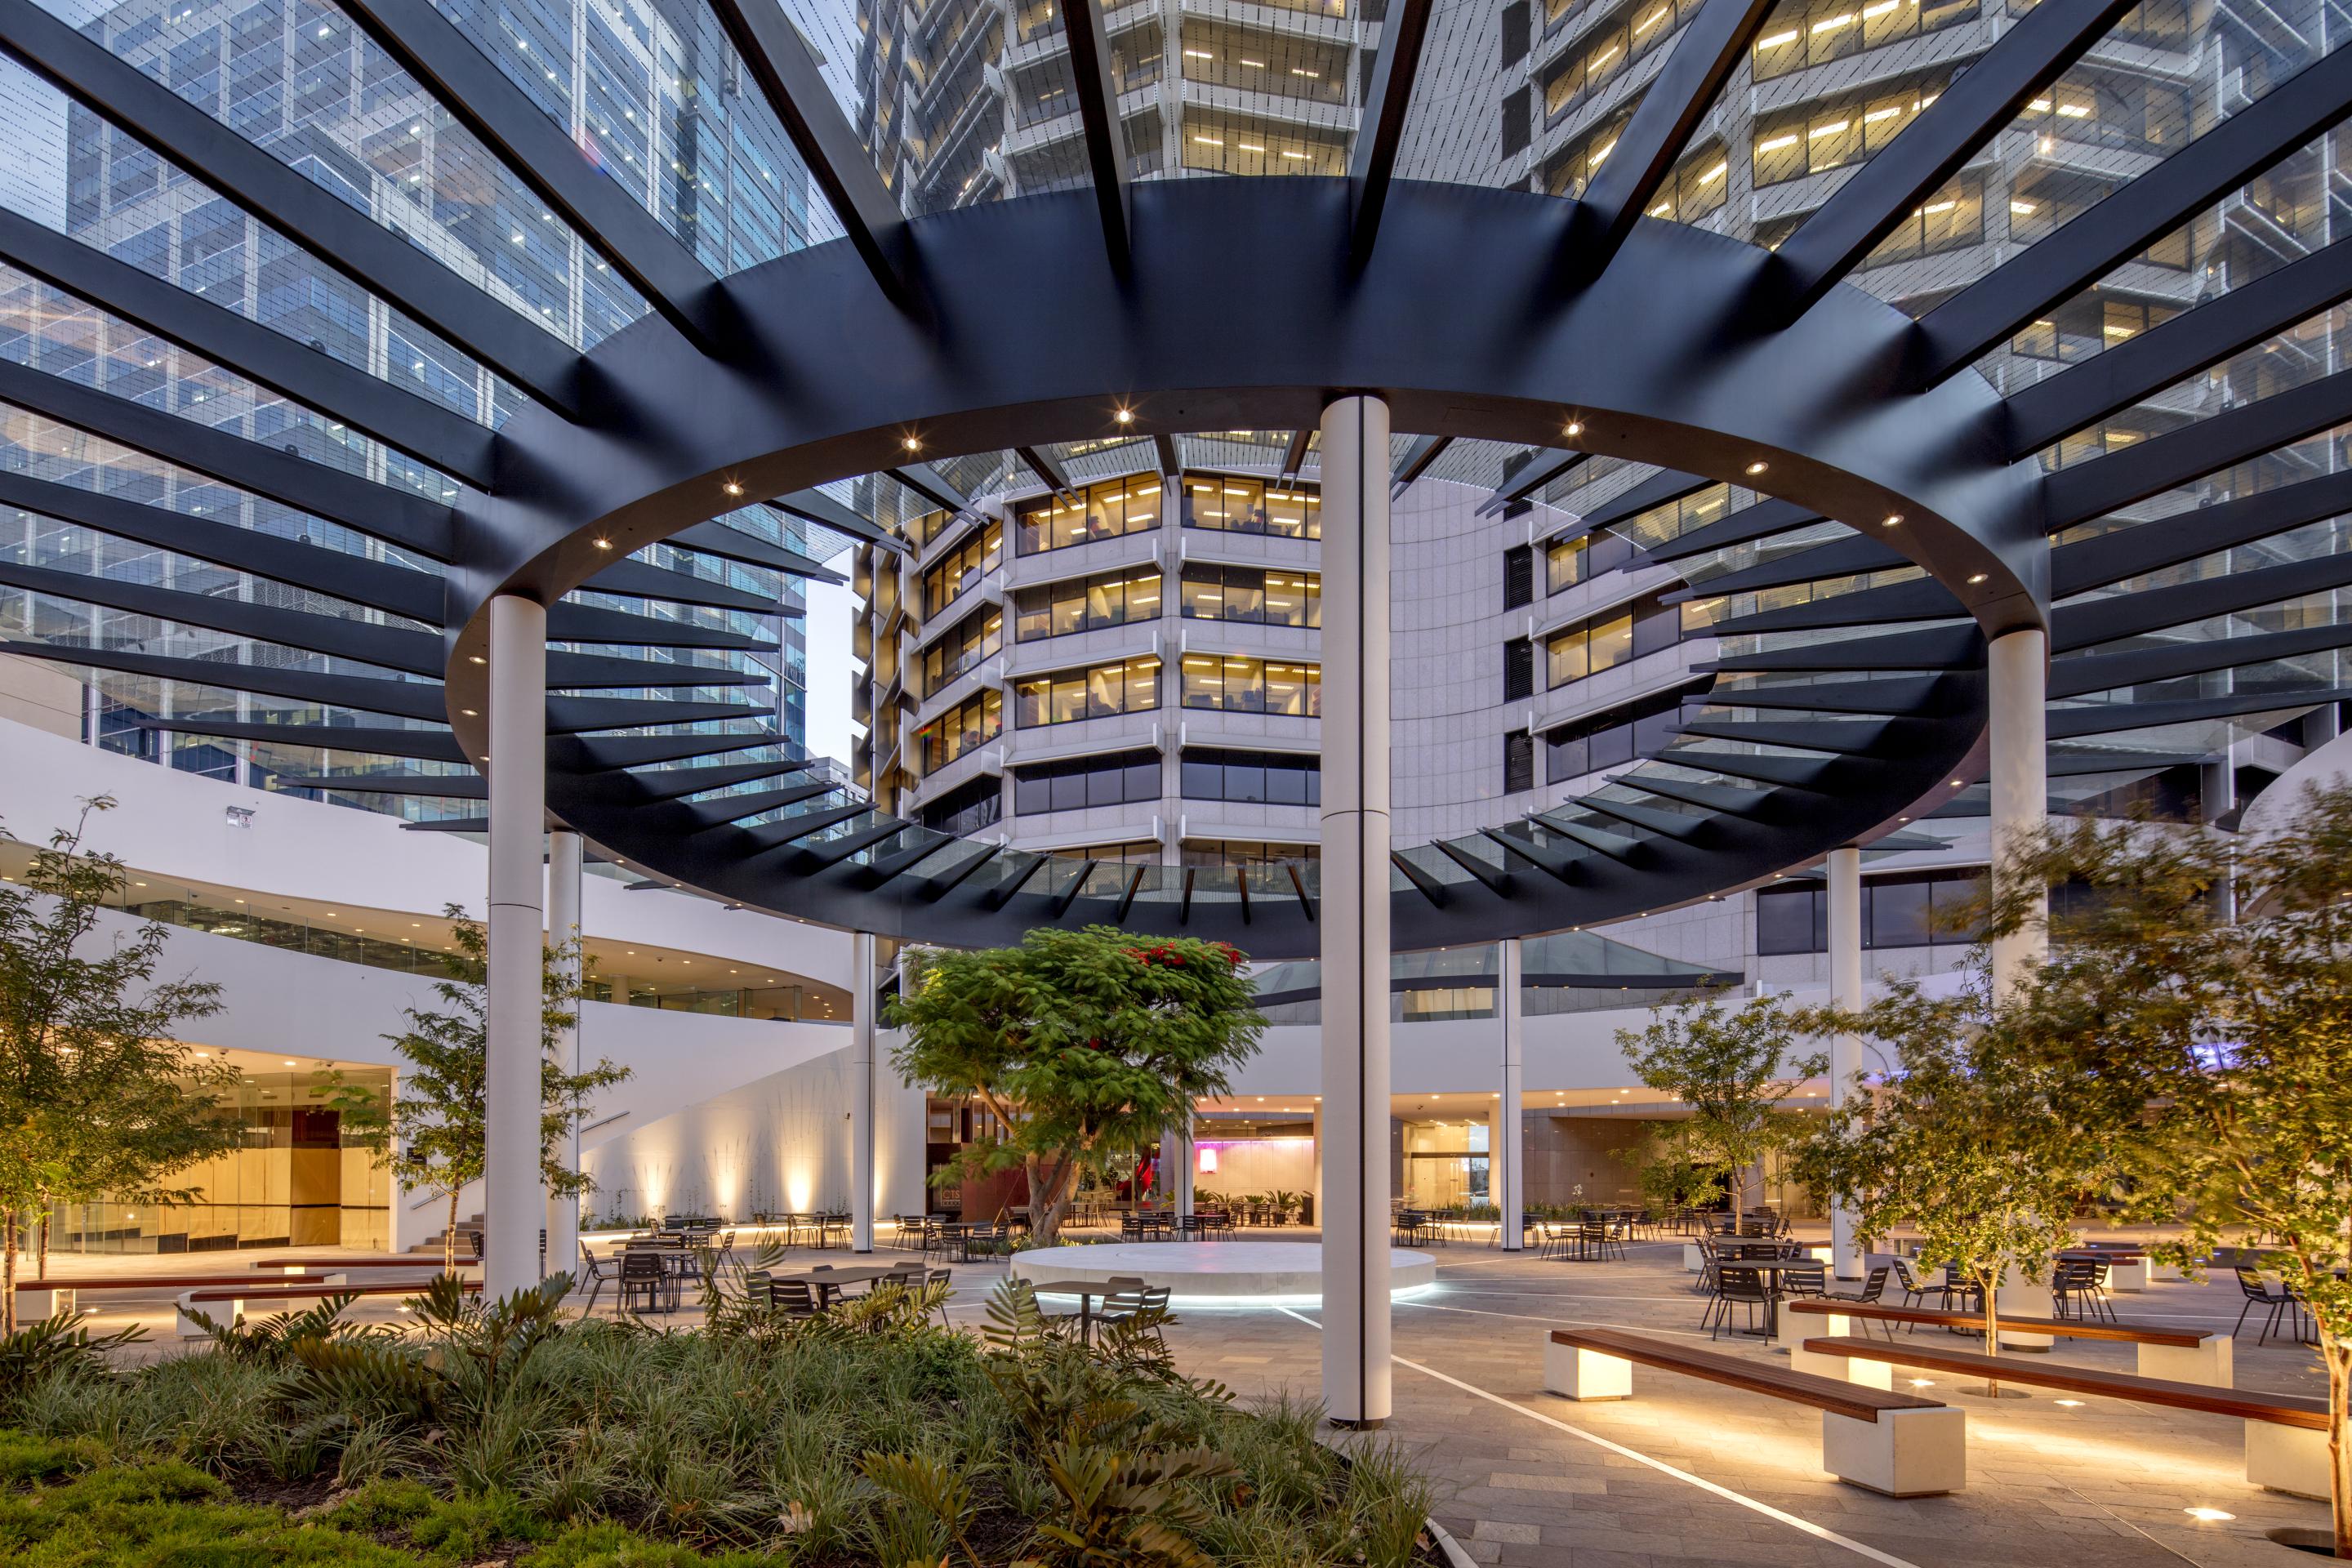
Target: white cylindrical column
x: 1845, y: 1051
x: 1320, y: 1219
x: 1506, y: 1159
x: 514, y: 1200
x: 861, y: 1092
x: 1355, y: 911
x: 2019, y: 666
x: 565, y: 858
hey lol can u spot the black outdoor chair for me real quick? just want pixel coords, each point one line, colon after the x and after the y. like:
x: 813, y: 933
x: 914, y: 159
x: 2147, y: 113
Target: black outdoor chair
x: 592, y: 1271
x: 643, y: 1276
x: 1735, y: 1286
x: 1874, y: 1286
x: 2280, y: 1304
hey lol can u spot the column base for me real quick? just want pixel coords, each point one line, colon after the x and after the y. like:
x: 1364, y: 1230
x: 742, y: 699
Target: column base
x: 1345, y: 1425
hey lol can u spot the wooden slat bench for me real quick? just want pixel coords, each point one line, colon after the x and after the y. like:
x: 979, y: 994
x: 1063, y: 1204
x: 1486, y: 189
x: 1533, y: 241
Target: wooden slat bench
x: 237, y: 1296
x: 2286, y: 1434
x: 59, y: 1294
x: 413, y: 1264
x: 1898, y: 1443
x: 2177, y: 1355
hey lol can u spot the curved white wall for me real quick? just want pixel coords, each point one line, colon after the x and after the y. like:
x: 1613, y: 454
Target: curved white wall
x: 177, y: 825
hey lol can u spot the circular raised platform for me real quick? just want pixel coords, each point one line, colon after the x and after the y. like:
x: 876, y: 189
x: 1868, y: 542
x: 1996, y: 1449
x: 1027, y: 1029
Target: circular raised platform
x: 1231, y: 1272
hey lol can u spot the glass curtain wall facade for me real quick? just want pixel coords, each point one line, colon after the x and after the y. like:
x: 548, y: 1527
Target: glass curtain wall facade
x: 647, y: 88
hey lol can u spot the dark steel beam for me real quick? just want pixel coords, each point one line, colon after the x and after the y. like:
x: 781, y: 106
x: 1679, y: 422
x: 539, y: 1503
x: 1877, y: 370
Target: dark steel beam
x: 1380, y: 133
x: 1094, y: 82
x: 1667, y: 485
x: 1171, y: 462
x: 365, y: 694
x: 414, y: 745
x: 788, y: 76
x: 578, y: 715
x: 1969, y: 112
x: 2145, y: 468
x: 1892, y: 698
x: 334, y: 637
x: 2088, y: 765
x: 344, y: 236
x: 1293, y: 456
x: 1837, y: 558
x: 1672, y: 824
x: 734, y: 808
x: 1727, y: 800
x: 2108, y: 717
x: 569, y: 621
x: 1424, y: 450
x: 1921, y: 599
x: 815, y: 506
x: 2089, y: 622
x: 2147, y: 547
x: 424, y: 429
x: 1988, y: 313
x: 395, y: 590
x: 400, y: 517
x: 2138, y: 368
x: 1048, y: 472
x: 2193, y: 655
x: 1816, y: 775
x: 925, y: 481
x: 445, y: 786
x: 1845, y: 737
x: 432, y: 48
x: 715, y: 538
x: 1925, y: 647
x: 676, y: 784
x: 1713, y: 44
x: 1544, y: 468
x: 1750, y: 523
x: 593, y: 754
x: 643, y: 580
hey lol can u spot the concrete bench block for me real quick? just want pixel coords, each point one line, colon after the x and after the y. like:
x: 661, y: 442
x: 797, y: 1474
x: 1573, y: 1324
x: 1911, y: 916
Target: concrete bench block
x: 1904, y: 1452
x: 1851, y: 1368
x: 33, y: 1305
x: 225, y: 1313
x: 1693, y: 1260
x: 2290, y: 1459
x: 2132, y: 1276
x: 2211, y: 1363
x: 1586, y: 1375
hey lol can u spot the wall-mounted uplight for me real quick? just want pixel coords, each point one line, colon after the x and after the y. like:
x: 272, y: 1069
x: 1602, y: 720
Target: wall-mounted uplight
x: 2209, y: 1515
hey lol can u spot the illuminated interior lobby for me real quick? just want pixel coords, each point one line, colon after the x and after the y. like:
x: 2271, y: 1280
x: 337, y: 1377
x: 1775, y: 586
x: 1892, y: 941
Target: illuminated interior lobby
x: 1513, y: 516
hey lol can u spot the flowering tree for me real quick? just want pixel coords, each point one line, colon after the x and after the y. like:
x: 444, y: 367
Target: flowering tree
x: 1083, y: 1044
x: 1733, y: 1067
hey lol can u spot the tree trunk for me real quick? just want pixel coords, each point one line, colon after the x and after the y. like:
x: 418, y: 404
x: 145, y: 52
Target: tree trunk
x: 1046, y: 1217
x: 449, y: 1238
x: 8, y: 1274
x: 1991, y: 1291
x: 2340, y: 1453
x: 41, y: 1271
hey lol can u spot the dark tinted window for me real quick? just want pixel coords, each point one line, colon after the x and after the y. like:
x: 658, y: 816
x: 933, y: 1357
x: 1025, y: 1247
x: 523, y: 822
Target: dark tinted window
x: 1784, y: 921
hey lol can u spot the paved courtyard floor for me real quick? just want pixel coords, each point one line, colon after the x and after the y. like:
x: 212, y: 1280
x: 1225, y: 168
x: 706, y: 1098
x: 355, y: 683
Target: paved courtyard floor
x: 1686, y: 1473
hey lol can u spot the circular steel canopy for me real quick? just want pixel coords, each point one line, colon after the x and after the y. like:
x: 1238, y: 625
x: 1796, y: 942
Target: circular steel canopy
x: 1217, y: 304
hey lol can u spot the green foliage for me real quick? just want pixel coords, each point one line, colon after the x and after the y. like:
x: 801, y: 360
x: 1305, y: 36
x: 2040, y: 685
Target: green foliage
x: 492, y: 1431
x: 1733, y: 1067
x: 1977, y: 1144
x: 434, y: 1134
x: 61, y: 1345
x: 1084, y: 1044
x: 97, y: 1095
x: 1667, y: 1165
x: 2212, y: 1056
